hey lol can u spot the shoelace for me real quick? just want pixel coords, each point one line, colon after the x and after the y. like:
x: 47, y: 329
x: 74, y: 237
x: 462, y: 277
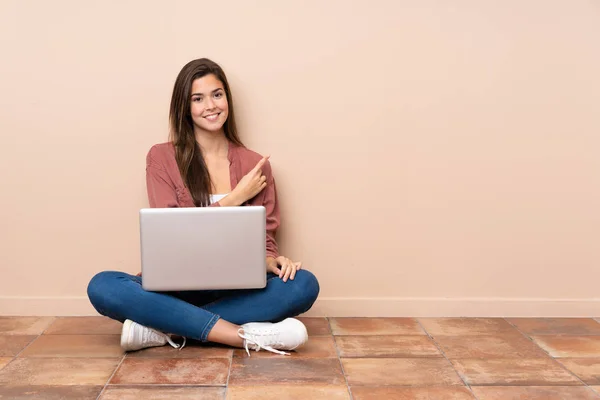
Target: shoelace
x: 251, y: 338
x: 151, y: 332
x: 172, y: 343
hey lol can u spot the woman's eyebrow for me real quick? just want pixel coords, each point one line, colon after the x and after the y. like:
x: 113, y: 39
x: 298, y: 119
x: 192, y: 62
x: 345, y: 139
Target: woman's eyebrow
x: 200, y: 94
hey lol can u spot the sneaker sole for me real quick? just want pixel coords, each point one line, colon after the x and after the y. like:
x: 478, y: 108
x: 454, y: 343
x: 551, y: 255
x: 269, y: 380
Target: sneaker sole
x: 125, y: 334
x: 299, y: 323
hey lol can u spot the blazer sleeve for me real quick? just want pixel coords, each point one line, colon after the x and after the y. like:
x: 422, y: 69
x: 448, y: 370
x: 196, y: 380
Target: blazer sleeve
x: 273, y: 217
x: 160, y: 187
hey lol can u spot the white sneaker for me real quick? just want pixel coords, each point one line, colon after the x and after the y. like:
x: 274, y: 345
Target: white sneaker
x: 288, y: 334
x: 135, y: 337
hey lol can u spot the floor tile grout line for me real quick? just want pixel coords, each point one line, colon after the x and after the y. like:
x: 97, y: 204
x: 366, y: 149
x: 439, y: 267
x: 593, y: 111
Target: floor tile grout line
x: 8, y: 363
x: 446, y: 358
x: 161, y: 385
x: 568, y: 370
x: 228, y: 374
x: 544, y: 350
x: 111, y: 376
x: 26, y: 346
x: 34, y: 339
x: 54, y: 319
x: 337, y: 351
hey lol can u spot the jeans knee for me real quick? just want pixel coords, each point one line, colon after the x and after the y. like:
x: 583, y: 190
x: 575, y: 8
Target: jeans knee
x: 307, y: 287
x: 99, y: 288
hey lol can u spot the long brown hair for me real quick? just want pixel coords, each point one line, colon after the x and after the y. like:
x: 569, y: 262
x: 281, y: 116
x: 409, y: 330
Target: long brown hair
x: 188, y: 154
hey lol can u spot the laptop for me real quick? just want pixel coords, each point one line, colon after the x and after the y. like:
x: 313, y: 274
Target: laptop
x: 203, y: 248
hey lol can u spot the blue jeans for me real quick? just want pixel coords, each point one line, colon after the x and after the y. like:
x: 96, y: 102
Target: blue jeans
x: 192, y: 314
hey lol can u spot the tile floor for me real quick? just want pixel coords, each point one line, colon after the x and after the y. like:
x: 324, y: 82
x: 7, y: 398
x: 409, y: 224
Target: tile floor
x: 346, y: 358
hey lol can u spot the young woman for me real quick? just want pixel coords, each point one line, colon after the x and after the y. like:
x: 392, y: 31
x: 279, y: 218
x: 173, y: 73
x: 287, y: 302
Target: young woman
x: 206, y: 165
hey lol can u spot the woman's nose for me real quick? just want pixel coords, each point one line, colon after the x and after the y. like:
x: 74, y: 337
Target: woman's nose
x: 210, y: 103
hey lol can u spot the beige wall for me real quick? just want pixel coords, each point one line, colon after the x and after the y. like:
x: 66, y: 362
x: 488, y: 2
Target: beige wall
x: 433, y: 157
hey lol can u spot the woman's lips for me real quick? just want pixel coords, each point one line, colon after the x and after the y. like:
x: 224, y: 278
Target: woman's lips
x: 212, y: 117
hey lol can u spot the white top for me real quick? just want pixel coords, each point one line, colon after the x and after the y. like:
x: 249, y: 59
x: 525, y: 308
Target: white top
x: 216, y: 197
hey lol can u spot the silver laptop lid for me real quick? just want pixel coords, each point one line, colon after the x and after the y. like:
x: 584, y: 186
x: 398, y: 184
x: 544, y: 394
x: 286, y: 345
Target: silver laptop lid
x: 201, y: 248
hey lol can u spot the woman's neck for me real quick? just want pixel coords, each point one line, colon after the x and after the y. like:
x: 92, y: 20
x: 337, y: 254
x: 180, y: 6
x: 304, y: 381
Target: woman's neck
x: 212, y: 143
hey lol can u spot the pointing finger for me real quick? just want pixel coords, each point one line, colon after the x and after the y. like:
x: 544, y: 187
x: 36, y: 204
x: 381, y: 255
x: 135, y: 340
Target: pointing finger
x: 259, y: 164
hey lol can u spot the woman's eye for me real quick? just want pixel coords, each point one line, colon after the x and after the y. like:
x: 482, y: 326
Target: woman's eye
x: 197, y: 99
x: 218, y: 95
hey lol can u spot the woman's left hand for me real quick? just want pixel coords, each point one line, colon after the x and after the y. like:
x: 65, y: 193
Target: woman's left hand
x: 288, y: 267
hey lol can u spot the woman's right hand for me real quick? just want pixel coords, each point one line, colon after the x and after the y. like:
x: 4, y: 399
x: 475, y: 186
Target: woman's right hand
x: 251, y: 184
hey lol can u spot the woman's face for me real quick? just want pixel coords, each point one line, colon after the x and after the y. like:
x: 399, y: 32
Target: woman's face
x: 209, y: 105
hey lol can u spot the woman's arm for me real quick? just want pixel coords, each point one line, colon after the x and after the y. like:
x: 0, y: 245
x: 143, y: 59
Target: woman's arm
x: 161, y: 191
x: 277, y: 264
x: 272, y: 211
